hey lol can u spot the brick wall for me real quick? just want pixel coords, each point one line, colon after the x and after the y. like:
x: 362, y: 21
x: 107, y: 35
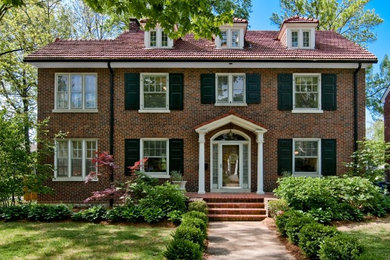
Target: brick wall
x: 180, y: 124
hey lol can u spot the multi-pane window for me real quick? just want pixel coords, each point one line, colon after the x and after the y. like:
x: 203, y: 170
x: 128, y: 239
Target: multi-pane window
x: 224, y: 39
x: 164, y: 39
x: 294, y: 39
x: 153, y: 38
x: 76, y: 91
x: 156, y: 151
x: 306, y: 156
x: 307, y: 92
x: 73, y: 158
x: 154, y: 88
x: 306, y: 39
x: 230, y: 89
x: 235, y: 38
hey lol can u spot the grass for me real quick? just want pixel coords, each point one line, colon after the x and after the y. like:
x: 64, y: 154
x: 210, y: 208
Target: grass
x: 70, y: 240
x: 375, y: 239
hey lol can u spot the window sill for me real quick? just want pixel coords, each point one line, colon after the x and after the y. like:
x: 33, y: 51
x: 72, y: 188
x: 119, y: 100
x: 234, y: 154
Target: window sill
x: 78, y: 179
x: 75, y: 111
x: 158, y: 176
x: 307, y: 111
x: 230, y: 104
x: 306, y: 174
x: 154, y: 111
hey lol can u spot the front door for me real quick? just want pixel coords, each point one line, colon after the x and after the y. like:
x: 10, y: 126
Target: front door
x: 230, y: 166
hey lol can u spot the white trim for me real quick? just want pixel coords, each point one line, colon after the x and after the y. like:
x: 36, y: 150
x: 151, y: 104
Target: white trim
x: 201, y: 65
x: 70, y: 109
x: 383, y: 99
x: 319, y: 169
x: 230, y: 101
x: 300, y: 28
x: 83, y: 162
x: 158, y: 31
x: 229, y: 30
x: 308, y: 110
x: 153, y: 110
x: 201, y: 166
x: 141, y: 150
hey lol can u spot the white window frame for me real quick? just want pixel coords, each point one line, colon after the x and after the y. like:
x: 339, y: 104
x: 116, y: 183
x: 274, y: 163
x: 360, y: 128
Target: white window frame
x: 70, y: 150
x: 230, y: 97
x: 300, y: 31
x: 160, y: 175
x: 158, y: 31
x: 70, y: 109
x: 153, y: 110
x: 291, y: 37
x: 308, y: 110
x: 309, y: 174
x: 306, y: 47
x: 229, y: 38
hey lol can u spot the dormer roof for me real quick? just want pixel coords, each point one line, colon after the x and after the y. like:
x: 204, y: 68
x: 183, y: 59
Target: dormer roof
x: 299, y: 19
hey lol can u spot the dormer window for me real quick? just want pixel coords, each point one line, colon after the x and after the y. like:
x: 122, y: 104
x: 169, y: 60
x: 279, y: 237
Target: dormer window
x: 306, y: 39
x: 157, y: 39
x: 298, y: 33
x: 231, y: 38
x: 300, y: 38
x: 294, y: 39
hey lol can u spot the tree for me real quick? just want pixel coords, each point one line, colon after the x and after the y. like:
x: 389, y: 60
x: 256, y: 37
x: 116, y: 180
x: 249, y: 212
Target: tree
x: 6, y: 5
x: 22, y: 31
x: 376, y: 85
x: 176, y: 17
x: 347, y: 17
x: 376, y: 131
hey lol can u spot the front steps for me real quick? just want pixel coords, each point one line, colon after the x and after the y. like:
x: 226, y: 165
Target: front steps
x: 236, y: 208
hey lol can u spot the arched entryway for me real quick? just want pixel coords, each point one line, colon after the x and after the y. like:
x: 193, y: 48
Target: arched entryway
x: 230, y: 161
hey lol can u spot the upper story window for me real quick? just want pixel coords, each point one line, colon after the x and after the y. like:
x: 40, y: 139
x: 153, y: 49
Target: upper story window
x: 307, y: 92
x: 154, y: 92
x: 75, y: 92
x: 306, y: 157
x: 231, y: 38
x: 298, y: 38
x: 73, y: 159
x: 157, y: 39
x: 230, y: 89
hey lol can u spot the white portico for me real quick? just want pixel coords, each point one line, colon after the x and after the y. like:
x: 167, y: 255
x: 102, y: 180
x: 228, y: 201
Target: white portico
x: 230, y: 150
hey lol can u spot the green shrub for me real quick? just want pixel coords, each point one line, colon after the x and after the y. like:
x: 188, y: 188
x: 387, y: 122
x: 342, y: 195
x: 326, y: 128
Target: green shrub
x: 115, y: 214
x: 179, y: 249
x: 42, y: 212
x: 190, y: 233
x: 354, y: 194
x: 199, y: 205
x: 322, y: 216
x: 281, y: 220
x: 12, y: 213
x: 153, y: 214
x: 294, y: 225
x: 197, y: 214
x: 93, y: 214
x: 340, y: 247
x: 175, y: 216
x: 195, y: 222
x: 312, y: 236
x: 277, y: 206
x: 132, y: 213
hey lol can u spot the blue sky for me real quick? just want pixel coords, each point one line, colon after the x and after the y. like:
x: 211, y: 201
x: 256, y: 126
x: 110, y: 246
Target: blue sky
x: 263, y: 9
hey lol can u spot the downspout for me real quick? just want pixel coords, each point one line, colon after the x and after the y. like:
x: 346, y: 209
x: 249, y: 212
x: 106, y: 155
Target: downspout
x: 111, y: 122
x: 355, y: 109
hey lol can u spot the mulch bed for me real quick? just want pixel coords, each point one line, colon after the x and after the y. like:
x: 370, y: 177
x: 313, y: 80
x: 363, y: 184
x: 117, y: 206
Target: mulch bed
x: 292, y: 249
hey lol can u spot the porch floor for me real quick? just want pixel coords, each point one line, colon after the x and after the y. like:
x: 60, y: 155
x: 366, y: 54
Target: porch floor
x: 209, y: 195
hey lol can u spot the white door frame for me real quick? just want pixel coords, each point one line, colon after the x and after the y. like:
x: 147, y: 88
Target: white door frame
x: 220, y: 162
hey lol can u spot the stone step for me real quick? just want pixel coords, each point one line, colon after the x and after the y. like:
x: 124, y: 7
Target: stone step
x: 234, y: 199
x: 230, y: 217
x: 236, y: 211
x: 235, y: 205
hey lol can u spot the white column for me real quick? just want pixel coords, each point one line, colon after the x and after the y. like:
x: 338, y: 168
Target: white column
x: 201, y: 182
x: 260, y: 170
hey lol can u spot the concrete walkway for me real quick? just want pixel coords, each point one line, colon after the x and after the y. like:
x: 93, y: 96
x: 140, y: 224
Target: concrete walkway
x: 244, y: 241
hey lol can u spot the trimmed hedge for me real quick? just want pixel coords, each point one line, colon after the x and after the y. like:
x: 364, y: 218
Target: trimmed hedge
x: 276, y: 207
x: 281, y: 220
x: 340, y: 247
x: 294, y: 225
x: 181, y: 249
x: 199, y: 205
x: 196, y: 214
x: 190, y: 233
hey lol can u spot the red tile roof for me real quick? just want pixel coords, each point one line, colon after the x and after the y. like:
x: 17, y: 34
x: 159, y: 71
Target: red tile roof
x: 259, y: 46
x: 298, y: 19
x: 239, y: 20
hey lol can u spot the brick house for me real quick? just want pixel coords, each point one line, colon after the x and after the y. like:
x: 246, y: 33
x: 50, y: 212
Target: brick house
x: 231, y: 114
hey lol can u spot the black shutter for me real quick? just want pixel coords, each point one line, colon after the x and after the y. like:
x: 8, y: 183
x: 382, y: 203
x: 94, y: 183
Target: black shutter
x: 132, y: 86
x: 207, y: 88
x: 131, y: 153
x: 176, y: 160
x: 285, y: 91
x: 253, y: 88
x: 328, y: 157
x: 329, y: 91
x: 176, y: 91
x: 284, y: 155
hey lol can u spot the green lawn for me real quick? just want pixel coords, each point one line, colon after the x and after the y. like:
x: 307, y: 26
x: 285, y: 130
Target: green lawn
x: 375, y: 238
x: 70, y: 240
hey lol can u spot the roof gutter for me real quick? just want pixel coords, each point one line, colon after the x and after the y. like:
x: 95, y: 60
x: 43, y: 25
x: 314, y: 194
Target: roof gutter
x: 355, y: 108
x: 111, y: 121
